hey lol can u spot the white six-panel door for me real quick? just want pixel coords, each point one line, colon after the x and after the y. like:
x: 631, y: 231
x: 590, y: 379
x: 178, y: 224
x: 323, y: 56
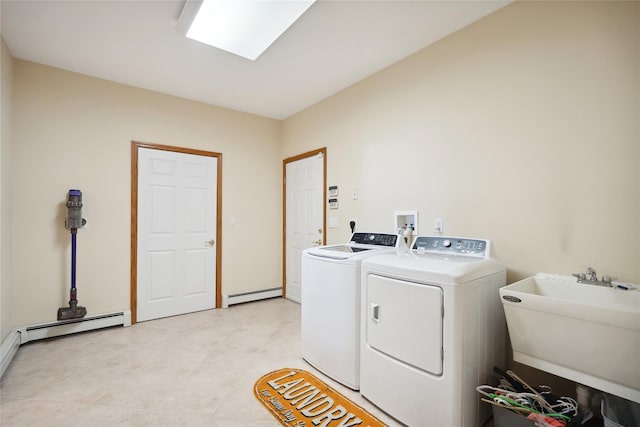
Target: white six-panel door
x: 304, y: 216
x: 176, y: 252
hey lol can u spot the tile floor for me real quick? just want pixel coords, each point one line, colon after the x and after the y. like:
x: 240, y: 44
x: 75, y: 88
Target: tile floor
x: 192, y: 370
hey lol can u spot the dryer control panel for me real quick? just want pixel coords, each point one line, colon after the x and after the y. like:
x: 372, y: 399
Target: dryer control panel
x: 452, y: 245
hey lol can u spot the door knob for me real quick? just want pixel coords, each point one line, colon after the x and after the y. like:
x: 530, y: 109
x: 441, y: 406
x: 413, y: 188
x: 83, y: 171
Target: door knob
x: 210, y: 242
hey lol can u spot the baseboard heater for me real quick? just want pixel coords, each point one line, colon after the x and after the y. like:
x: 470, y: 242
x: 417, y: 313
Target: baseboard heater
x: 239, y: 298
x: 23, y: 335
x: 66, y: 327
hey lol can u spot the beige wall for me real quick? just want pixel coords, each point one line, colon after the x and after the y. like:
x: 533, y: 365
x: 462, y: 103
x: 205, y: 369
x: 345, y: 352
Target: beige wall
x: 74, y: 131
x: 522, y: 128
x: 6, y: 224
x: 523, y: 133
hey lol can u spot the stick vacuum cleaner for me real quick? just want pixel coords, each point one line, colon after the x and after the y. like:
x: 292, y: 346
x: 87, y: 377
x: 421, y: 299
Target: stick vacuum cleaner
x: 73, y: 221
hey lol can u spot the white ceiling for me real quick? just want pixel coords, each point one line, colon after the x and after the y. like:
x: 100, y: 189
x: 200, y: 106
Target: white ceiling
x: 332, y: 46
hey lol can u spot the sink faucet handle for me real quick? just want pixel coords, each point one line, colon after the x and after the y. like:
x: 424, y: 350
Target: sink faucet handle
x: 580, y: 276
x: 608, y: 279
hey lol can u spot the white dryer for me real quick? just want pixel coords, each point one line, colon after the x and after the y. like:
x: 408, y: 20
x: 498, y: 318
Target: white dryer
x: 432, y: 330
x: 330, y: 306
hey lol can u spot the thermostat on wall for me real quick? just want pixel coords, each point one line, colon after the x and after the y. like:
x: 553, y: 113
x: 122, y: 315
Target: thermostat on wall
x: 333, y: 203
x: 333, y: 191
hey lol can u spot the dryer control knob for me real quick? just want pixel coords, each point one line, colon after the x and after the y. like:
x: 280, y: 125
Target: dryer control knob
x: 446, y: 243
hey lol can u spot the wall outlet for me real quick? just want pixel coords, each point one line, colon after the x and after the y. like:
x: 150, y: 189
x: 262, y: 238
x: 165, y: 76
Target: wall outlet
x: 437, y: 226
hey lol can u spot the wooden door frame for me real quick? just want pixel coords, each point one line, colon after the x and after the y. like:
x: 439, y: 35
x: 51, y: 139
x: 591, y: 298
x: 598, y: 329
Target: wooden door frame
x: 286, y: 161
x: 134, y: 218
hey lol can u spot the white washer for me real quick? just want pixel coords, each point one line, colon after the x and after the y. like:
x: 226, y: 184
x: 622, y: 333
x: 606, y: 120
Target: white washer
x: 432, y: 330
x: 330, y: 281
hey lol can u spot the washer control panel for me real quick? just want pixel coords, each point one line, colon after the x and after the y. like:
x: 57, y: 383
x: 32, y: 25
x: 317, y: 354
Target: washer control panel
x: 452, y: 245
x: 377, y: 239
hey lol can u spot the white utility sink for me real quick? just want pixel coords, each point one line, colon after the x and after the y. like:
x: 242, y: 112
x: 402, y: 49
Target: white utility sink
x: 586, y: 333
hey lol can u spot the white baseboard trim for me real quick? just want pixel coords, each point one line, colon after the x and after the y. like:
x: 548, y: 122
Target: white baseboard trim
x: 8, y: 349
x: 239, y: 298
x: 23, y: 335
x: 294, y: 299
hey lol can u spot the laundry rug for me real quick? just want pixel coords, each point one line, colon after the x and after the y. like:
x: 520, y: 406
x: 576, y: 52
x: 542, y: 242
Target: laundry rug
x: 297, y: 398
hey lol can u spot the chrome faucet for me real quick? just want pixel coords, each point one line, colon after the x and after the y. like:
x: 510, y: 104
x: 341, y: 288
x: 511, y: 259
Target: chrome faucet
x: 591, y: 278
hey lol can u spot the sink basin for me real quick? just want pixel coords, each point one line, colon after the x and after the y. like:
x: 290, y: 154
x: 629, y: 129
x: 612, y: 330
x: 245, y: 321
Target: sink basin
x: 586, y: 333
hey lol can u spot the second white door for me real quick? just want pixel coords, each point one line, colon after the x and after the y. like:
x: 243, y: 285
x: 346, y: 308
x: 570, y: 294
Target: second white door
x: 304, y: 216
x: 176, y: 271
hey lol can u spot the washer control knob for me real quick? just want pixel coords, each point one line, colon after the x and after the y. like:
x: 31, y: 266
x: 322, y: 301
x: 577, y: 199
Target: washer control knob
x: 446, y: 243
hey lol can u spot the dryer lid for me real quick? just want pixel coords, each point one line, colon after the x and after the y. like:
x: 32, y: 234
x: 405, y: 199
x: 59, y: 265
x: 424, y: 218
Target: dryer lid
x: 433, y: 267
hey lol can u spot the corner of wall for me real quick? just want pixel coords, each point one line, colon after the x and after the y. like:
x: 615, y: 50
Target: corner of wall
x: 6, y: 217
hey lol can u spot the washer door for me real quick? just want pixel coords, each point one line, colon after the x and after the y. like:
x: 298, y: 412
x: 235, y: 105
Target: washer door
x: 404, y: 321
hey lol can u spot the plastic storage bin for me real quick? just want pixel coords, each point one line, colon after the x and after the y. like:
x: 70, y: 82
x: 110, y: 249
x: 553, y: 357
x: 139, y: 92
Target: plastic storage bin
x: 506, y: 418
x: 619, y: 412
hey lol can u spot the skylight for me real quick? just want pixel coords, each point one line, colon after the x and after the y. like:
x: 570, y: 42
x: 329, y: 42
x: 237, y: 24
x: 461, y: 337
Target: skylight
x: 243, y: 27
